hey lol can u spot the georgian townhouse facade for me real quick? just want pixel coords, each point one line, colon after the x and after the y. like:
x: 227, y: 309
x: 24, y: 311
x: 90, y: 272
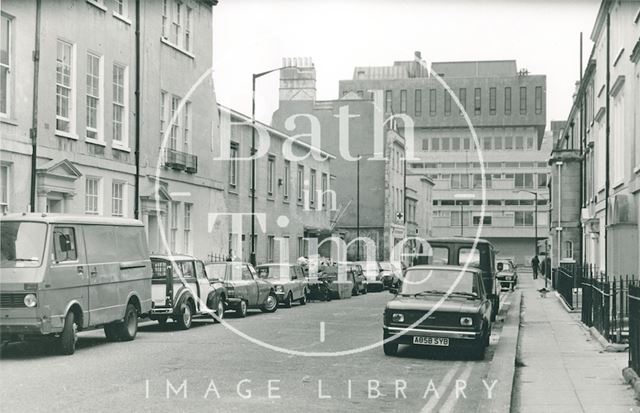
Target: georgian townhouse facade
x: 69, y: 83
x: 600, y: 142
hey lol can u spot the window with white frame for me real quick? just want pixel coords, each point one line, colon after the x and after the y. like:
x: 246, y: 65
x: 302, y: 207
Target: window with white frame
x: 187, y: 29
x: 175, y: 126
x: 176, y: 23
x: 117, y: 198
x: 174, y: 224
x: 4, y: 188
x: 271, y: 247
x: 271, y: 172
x: 120, y: 7
x: 186, y: 132
x: 94, y: 106
x: 5, y: 63
x: 92, y: 196
x: 119, y: 105
x: 163, y: 113
x: 287, y: 179
x: 300, y: 182
x: 567, y: 252
x: 617, y: 139
x: 233, y: 165
x: 187, y: 227
x: 312, y: 186
x: 165, y: 18
x: 64, y: 87
x: 325, y: 188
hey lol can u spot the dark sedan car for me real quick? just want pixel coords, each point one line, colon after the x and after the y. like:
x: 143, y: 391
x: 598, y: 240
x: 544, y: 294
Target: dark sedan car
x: 441, y: 306
x: 244, y: 288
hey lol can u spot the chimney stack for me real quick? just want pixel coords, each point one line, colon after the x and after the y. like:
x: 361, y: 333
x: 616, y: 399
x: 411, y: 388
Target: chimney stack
x: 299, y: 81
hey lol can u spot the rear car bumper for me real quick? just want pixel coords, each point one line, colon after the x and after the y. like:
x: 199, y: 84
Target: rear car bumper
x: 456, y: 338
x: 375, y: 285
x: 161, y: 311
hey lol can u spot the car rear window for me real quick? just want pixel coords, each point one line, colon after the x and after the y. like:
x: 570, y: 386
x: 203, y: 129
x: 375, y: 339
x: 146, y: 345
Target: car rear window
x: 216, y: 270
x: 439, y: 256
x: 159, y: 268
x: 469, y: 255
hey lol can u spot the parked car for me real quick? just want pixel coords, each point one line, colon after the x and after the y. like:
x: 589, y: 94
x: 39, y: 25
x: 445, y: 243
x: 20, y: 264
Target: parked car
x: 507, y: 274
x: 373, y: 273
x: 182, y: 290
x: 245, y: 290
x: 289, y: 281
x: 340, y: 279
x: 356, y: 275
x: 391, y: 274
x: 427, y: 315
x: 459, y: 251
x: 66, y: 273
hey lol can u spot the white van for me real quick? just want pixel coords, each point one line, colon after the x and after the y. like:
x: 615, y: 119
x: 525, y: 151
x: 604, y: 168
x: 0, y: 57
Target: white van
x: 61, y: 274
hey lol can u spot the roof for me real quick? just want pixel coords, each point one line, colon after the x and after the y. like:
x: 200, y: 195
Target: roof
x: 459, y: 240
x: 276, y: 132
x: 174, y: 257
x: 70, y: 219
x: 445, y: 267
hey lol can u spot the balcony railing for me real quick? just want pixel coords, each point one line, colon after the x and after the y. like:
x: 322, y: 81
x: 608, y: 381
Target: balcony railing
x: 181, y: 161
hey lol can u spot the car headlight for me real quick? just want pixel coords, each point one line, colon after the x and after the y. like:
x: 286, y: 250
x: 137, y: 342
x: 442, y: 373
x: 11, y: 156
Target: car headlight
x: 30, y: 300
x: 397, y: 317
x: 279, y: 288
x: 466, y: 321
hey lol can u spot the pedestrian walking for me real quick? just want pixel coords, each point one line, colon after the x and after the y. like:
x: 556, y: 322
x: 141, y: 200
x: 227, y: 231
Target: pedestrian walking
x: 535, y: 263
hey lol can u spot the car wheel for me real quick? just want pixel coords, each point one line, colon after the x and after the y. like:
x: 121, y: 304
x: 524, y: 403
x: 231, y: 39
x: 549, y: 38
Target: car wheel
x: 303, y: 299
x: 355, y: 290
x: 364, y: 288
x: 288, y: 302
x: 242, y: 309
x: 185, y: 317
x: 390, y: 347
x: 128, y: 328
x: 220, y: 310
x: 110, y: 332
x: 271, y: 304
x: 69, y: 335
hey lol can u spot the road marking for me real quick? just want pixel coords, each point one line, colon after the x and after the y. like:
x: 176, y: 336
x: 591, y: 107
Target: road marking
x: 453, y: 396
x: 322, y: 331
x: 433, y: 401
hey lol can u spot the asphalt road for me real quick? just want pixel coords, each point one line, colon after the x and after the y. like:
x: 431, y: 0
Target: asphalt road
x: 212, y: 368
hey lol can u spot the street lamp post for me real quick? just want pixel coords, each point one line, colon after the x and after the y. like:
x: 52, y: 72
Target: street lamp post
x: 252, y: 257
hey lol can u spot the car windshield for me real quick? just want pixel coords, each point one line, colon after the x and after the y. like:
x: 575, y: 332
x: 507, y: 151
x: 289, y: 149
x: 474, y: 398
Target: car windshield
x: 504, y: 266
x: 216, y: 270
x: 438, y: 281
x: 275, y: 272
x: 22, y: 243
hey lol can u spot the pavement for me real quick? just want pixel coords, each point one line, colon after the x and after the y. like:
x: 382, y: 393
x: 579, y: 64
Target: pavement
x: 560, y: 367
x: 211, y: 368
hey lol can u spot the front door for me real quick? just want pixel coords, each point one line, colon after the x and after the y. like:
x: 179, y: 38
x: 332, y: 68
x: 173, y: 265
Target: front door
x: 250, y: 283
x: 204, y: 285
x: 153, y: 232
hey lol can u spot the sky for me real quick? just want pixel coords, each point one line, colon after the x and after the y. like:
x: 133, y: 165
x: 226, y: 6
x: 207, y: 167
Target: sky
x: 251, y: 36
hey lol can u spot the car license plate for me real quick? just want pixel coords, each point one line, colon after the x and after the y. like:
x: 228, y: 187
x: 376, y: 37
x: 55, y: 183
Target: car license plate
x: 431, y: 341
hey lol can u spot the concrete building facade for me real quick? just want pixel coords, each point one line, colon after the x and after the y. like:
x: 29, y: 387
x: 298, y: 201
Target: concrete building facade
x: 602, y: 138
x: 507, y: 108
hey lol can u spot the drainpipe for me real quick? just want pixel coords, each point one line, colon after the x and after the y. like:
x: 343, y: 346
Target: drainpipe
x: 559, y: 227
x: 607, y: 140
x: 582, y: 161
x: 137, y: 93
x: 33, y: 132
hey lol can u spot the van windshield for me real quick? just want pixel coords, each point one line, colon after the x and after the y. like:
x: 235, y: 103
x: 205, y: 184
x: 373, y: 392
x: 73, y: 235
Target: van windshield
x: 22, y: 243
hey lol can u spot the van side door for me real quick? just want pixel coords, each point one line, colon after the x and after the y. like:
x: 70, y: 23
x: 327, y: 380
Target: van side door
x: 67, y: 278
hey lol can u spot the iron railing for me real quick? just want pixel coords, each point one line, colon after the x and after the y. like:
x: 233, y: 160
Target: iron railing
x: 182, y: 161
x: 565, y: 282
x: 634, y: 325
x: 606, y: 304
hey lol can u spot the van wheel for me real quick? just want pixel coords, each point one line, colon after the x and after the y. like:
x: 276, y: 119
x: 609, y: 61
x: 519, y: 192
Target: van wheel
x: 128, y: 328
x: 110, y: 332
x: 185, y: 317
x: 69, y: 335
